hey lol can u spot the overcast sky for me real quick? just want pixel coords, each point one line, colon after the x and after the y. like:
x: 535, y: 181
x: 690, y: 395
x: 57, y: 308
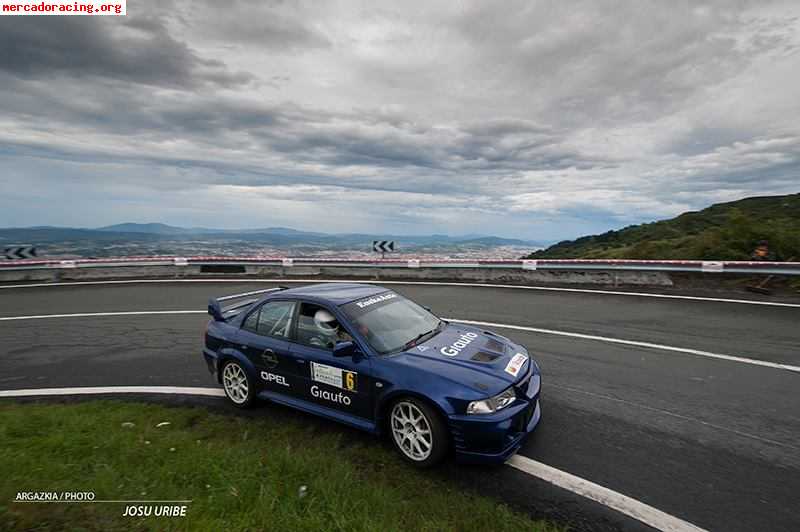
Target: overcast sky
x: 540, y: 120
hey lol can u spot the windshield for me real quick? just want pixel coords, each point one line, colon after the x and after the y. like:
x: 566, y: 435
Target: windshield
x: 390, y: 322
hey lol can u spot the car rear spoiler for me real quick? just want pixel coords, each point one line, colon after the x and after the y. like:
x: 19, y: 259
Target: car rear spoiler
x: 220, y: 313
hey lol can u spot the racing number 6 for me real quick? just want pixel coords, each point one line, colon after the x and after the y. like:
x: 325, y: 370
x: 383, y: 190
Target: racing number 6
x: 350, y: 381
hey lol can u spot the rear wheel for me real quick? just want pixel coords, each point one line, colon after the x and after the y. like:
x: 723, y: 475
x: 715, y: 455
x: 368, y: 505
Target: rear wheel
x: 418, y: 432
x: 237, y: 385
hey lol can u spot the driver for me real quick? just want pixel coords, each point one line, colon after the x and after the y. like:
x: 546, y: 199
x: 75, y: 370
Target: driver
x: 328, y: 325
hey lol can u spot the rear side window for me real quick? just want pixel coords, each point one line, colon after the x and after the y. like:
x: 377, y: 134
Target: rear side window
x: 272, y: 319
x: 251, y: 323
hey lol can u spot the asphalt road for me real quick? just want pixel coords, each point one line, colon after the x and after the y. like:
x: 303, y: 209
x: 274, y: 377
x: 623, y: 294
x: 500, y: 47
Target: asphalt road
x: 714, y: 442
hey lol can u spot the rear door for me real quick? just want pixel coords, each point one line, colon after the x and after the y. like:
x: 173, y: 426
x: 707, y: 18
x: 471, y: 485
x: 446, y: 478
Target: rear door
x: 264, y: 339
x: 340, y: 383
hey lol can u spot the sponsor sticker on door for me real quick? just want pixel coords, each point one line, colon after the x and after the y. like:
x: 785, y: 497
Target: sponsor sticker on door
x: 332, y: 376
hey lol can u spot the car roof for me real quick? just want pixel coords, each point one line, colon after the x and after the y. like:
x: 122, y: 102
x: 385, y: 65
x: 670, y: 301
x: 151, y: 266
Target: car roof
x: 336, y: 293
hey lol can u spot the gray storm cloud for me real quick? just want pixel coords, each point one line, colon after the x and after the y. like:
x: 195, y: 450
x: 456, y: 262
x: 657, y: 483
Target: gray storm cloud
x: 537, y: 120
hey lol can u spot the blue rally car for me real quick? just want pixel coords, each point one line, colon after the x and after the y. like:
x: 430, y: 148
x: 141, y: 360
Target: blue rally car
x: 368, y: 357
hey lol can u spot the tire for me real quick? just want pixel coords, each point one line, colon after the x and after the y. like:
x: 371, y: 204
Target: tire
x: 420, y: 446
x: 239, y: 388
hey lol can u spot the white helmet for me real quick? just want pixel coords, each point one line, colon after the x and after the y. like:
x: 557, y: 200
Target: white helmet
x: 326, y: 321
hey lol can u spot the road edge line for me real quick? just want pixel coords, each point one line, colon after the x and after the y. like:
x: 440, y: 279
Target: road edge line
x: 616, y: 501
x: 98, y: 390
x: 619, y: 341
x: 635, y: 343
x: 419, y: 283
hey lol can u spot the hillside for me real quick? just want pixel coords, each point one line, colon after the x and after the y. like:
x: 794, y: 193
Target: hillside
x: 724, y: 231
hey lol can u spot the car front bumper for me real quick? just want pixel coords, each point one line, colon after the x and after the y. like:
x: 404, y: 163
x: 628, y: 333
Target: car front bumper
x: 494, y: 438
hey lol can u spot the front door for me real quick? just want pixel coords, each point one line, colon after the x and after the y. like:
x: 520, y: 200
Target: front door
x: 340, y: 383
x: 264, y: 339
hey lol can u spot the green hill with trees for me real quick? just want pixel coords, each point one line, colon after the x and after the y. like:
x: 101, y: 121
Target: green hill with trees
x: 724, y: 231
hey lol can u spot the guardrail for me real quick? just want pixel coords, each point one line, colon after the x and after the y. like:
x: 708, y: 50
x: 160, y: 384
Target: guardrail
x: 741, y: 267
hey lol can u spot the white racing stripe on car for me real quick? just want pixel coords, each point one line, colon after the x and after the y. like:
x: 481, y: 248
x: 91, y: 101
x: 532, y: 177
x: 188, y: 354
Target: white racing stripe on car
x: 97, y: 390
x: 617, y: 501
x: 635, y: 343
x: 419, y: 283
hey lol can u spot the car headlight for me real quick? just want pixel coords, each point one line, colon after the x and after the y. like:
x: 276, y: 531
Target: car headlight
x: 493, y: 404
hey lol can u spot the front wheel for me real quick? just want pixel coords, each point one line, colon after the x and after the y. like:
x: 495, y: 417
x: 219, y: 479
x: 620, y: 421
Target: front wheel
x: 418, y: 432
x: 237, y: 385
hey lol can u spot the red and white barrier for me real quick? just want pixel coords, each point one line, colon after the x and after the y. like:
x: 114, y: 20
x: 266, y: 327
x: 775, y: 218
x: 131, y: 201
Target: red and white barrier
x: 749, y: 267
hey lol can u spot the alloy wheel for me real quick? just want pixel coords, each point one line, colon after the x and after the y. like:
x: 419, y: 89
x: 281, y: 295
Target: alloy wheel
x: 234, y: 380
x: 411, y: 431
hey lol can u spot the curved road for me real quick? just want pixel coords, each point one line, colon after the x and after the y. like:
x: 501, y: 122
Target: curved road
x: 714, y: 442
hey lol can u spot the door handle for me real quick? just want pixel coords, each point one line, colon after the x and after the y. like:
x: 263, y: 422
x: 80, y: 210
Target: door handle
x: 300, y: 361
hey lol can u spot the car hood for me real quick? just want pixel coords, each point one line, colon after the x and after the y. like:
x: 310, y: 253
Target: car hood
x: 479, y: 359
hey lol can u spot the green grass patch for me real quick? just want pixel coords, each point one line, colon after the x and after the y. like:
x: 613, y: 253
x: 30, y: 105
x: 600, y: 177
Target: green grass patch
x: 241, y: 474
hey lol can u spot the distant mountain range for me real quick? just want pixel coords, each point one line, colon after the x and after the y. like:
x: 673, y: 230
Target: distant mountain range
x: 158, y: 238
x: 286, y: 232
x: 724, y: 231
x: 164, y: 229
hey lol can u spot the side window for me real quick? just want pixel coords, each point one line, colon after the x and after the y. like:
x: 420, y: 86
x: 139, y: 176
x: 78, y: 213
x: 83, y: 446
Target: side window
x: 317, y: 327
x: 272, y: 319
x: 251, y: 323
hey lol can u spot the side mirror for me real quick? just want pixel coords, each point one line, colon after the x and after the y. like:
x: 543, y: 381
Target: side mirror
x: 344, y: 349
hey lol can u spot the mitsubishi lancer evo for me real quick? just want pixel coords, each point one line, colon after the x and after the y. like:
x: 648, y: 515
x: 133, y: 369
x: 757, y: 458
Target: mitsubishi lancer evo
x: 370, y: 358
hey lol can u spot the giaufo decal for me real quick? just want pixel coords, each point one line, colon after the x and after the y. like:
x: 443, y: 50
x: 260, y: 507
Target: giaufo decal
x: 330, y: 396
x: 456, y: 347
x: 340, y: 378
x: 516, y: 363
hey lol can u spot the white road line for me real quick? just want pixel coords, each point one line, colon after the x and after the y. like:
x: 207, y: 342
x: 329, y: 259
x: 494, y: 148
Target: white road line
x: 101, y: 314
x: 617, y: 501
x: 635, y: 343
x: 420, y: 283
x: 244, y: 294
x: 684, y: 350
x: 96, y: 390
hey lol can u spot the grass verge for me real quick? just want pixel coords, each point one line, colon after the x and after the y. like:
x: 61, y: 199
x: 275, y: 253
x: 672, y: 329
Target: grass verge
x: 240, y: 473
